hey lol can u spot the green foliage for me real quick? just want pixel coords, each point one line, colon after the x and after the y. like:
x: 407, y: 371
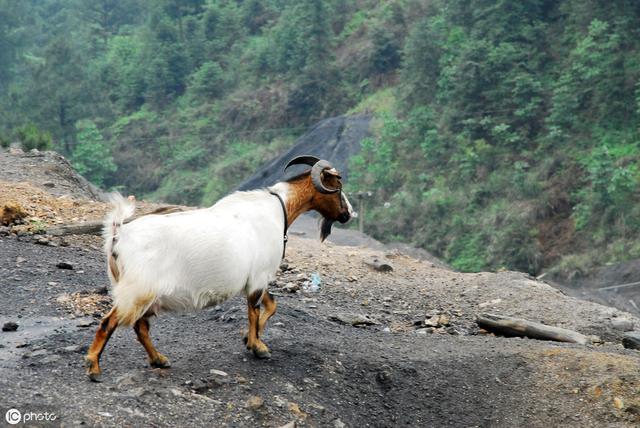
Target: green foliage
x: 30, y: 137
x: 91, y: 157
x: 494, y: 119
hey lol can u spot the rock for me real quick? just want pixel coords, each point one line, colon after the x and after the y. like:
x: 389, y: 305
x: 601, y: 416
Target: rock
x: 291, y: 424
x: 295, y: 409
x: 254, y: 402
x: 291, y: 287
x: 338, y: 424
x: 618, y: 403
x: 86, y: 323
x: 64, y: 265
x: 10, y: 326
x: 49, y: 184
x: 355, y: 320
x: 432, y: 322
x: 72, y: 348
x: 379, y: 265
x: 218, y: 372
x: 50, y: 359
x: 631, y: 340
x: 622, y: 324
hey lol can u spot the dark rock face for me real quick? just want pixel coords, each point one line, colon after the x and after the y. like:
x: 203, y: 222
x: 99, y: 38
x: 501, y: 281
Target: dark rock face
x: 335, y: 139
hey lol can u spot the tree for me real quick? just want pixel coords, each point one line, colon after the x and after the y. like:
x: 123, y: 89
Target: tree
x: 91, y: 156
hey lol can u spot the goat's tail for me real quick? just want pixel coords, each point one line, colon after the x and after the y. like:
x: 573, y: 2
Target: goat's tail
x: 122, y: 210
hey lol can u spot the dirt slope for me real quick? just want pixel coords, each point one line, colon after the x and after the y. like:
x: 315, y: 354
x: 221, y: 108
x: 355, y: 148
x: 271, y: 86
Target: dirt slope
x: 363, y: 350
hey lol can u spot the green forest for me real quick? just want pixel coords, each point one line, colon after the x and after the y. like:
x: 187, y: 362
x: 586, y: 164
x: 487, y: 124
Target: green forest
x: 506, y: 133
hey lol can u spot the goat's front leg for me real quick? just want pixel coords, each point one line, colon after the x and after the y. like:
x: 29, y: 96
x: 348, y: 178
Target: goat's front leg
x: 156, y: 359
x: 254, y: 343
x: 269, y: 304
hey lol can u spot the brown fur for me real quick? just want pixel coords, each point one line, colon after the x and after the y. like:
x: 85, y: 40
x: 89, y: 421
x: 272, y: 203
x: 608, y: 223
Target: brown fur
x: 303, y: 197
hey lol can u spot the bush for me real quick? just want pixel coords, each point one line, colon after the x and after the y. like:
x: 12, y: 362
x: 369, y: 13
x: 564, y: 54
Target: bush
x: 30, y: 137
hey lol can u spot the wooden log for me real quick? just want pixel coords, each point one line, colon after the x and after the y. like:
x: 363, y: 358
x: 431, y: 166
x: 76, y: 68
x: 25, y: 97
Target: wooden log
x: 95, y: 227
x: 379, y: 265
x: 509, y: 326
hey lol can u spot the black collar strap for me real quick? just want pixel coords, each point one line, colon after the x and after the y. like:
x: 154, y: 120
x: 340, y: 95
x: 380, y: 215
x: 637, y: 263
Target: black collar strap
x: 286, y: 221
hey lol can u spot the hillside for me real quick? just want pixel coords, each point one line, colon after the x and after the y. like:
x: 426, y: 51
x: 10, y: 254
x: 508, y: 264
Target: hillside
x: 366, y: 349
x: 504, y: 135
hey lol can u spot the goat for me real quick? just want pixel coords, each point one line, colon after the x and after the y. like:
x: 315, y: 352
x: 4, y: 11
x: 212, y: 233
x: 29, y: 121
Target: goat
x: 195, y: 259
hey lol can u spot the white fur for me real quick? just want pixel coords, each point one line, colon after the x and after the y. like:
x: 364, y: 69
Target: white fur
x: 194, y: 259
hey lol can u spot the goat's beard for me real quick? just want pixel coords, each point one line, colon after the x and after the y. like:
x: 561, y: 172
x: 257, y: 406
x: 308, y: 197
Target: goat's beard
x: 325, y: 228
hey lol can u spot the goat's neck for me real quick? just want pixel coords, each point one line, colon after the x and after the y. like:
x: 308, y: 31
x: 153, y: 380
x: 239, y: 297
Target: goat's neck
x: 299, y: 199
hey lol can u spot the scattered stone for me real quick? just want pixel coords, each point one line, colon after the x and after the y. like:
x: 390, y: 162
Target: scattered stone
x: 291, y: 287
x: 379, y: 265
x: 42, y: 240
x: 22, y: 345
x: 50, y: 359
x: 355, y: 320
x: 295, y: 409
x: 49, y: 184
x: 631, y: 340
x: 291, y: 424
x: 254, y: 402
x: 338, y: 424
x: 218, y: 372
x: 86, y: 323
x: 105, y: 414
x: 72, y: 348
x: 20, y: 260
x: 490, y: 302
x: 38, y: 353
x: 10, y: 326
x: 64, y: 265
x: 278, y: 402
x: 618, y: 403
x: 622, y: 324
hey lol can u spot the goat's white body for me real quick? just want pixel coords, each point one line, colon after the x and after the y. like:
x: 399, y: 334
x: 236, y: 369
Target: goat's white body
x: 194, y: 259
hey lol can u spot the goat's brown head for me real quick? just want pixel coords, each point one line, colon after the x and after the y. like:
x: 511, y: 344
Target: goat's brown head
x: 328, y: 198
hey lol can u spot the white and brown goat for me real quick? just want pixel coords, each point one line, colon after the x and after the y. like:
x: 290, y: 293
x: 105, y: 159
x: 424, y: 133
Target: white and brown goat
x: 194, y: 259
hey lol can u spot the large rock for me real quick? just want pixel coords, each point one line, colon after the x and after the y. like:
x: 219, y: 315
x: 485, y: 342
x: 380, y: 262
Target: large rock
x: 336, y: 139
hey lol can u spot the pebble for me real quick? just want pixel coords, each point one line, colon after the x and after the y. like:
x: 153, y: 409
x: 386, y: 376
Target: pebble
x: 10, y: 326
x: 64, y: 265
x: 218, y: 372
x: 254, y: 402
x: 622, y: 324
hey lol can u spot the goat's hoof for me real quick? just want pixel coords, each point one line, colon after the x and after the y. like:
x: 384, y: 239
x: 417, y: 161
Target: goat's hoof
x: 160, y: 362
x: 95, y: 377
x: 93, y: 370
x: 245, y: 339
x: 262, y: 352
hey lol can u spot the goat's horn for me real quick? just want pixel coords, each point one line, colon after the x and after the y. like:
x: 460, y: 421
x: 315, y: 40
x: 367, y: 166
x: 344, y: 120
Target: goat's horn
x: 316, y: 176
x: 303, y: 160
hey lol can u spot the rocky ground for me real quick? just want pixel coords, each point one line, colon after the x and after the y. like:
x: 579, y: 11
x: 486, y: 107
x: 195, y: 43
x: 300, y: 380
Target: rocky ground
x: 365, y: 348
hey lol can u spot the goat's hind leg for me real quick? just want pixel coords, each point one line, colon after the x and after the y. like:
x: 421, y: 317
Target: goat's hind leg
x: 156, y: 359
x: 107, y: 326
x: 270, y: 305
x: 253, y: 342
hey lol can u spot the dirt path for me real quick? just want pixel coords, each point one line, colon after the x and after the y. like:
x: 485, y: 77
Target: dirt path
x: 324, y: 371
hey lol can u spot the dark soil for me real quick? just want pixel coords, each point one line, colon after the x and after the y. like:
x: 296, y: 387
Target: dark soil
x: 323, y: 372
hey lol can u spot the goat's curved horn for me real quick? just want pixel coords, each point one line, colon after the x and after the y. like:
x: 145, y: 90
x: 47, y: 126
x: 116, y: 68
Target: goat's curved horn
x: 316, y: 176
x: 303, y: 160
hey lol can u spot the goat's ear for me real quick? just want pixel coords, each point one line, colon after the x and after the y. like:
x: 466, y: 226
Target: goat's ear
x: 332, y: 179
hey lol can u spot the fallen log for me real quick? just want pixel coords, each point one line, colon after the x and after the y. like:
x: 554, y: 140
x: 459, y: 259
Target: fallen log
x: 95, y: 227
x: 517, y: 327
x: 379, y: 265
